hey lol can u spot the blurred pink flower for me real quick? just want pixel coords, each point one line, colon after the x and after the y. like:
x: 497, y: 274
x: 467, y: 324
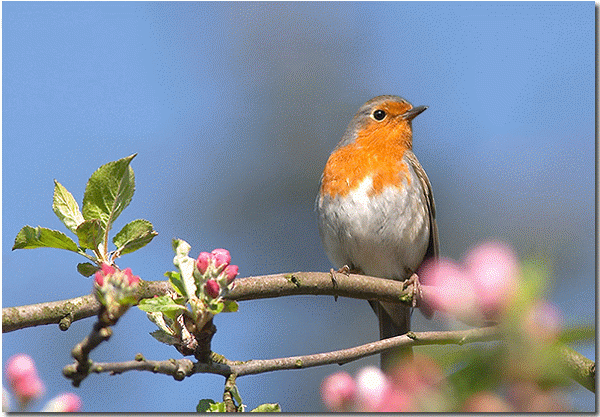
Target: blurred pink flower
x: 372, y: 389
x: 22, y: 376
x: 480, y: 289
x: 486, y: 402
x: 338, y: 392
x: 493, y: 268
x: 451, y: 290
x: 64, y: 403
x: 543, y: 322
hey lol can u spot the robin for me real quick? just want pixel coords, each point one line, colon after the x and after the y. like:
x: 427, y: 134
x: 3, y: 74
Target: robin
x: 375, y: 205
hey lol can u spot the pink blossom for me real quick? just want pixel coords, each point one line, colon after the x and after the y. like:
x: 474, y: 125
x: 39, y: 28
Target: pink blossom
x: 22, y: 376
x: 212, y: 288
x: 451, y: 289
x: 231, y: 272
x: 493, y: 268
x: 221, y: 257
x: 203, y: 261
x: 64, y: 403
x: 338, y: 392
x: 372, y: 387
x: 543, y: 322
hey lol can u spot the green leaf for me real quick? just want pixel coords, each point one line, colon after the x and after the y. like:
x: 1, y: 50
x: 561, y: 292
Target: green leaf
x: 176, y: 282
x: 109, y: 191
x: 66, y: 208
x: 163, y: 322
x: 163, y: 304
x: 209, y: 406
x: 87, y: 269
x: 163, y: 337
x: 90, y: 234
x: 133, y: 236
x: 41, y: 237
x: 267, y: 408
x: 230, y: 306
x: 215, y: 307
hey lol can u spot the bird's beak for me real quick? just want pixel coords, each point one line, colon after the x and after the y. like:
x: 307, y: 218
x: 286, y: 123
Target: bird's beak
x: 414, y: 112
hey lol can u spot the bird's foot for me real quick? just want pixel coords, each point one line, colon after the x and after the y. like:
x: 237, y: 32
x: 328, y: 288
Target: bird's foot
x: 416, y: 292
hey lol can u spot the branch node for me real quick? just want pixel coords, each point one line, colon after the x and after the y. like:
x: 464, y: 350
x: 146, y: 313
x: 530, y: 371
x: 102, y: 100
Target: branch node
x: 65, y: 322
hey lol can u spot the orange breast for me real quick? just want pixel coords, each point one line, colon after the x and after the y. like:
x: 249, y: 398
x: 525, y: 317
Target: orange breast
x: 377, y: 151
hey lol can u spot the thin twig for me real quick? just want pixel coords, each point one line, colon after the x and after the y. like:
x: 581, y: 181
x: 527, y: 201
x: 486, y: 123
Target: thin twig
x: 221, y: 366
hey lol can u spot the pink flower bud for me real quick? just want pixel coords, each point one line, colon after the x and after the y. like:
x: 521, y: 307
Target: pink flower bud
x: 221, y: 257
x: 22, y: 376
x: 131, y: 279
x: 212, y: 288
x: 107, y: 269
x: 231, y: 272
x: 338, y: 392
x: 99, y: 278
x: 203, y: 261
x: 64, y: 403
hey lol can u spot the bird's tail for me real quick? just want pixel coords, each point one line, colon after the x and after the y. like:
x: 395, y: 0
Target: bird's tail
x: 394, y: 320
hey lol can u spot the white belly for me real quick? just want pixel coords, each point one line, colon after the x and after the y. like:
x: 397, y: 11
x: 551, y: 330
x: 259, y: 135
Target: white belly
x: 384, y: 235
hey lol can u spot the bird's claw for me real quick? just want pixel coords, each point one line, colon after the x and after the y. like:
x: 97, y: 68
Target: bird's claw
x: 416, y: 292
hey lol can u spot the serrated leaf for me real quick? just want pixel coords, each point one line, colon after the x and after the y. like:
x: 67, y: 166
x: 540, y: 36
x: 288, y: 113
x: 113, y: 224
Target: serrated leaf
x: 230, y: 306
x: 163, y: 304
x: 87, y: 269
x: 163, y: 337
x: 109, y: 191
x: 90, y: 234
x: 41, y: 237
x: 133, y: 236
x: 267, y: 408
x: 176, y: 283
x: 66, y: 208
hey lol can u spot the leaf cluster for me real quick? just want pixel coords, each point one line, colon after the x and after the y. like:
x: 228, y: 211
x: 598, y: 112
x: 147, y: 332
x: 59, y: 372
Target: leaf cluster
x: 108, y: 192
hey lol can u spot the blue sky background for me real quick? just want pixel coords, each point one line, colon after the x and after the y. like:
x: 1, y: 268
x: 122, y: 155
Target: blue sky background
x: 233, y: 109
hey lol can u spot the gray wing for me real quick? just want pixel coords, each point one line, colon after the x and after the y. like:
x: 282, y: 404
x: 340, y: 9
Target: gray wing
x: 434, y: 243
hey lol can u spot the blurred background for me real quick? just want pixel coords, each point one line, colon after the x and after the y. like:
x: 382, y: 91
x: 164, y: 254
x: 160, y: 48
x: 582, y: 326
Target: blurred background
x: 233, y: 109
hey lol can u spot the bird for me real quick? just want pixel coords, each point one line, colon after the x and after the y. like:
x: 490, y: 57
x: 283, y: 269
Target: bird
x: 375, y: 206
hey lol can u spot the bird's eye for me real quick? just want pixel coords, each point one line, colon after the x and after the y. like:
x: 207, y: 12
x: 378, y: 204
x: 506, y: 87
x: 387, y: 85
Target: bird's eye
x: 378, y: 115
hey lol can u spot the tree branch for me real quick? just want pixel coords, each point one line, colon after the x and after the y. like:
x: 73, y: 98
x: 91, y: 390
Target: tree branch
x: 252, y: 288
x: 580, y: 368
x: 181, y: 368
